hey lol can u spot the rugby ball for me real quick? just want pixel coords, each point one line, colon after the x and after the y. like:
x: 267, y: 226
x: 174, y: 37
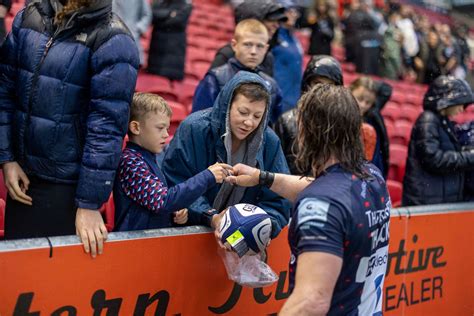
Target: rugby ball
x: 246, y: 228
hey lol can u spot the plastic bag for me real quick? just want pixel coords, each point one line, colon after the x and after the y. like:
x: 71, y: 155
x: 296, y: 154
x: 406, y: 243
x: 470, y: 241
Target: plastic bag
x: 250, y: 270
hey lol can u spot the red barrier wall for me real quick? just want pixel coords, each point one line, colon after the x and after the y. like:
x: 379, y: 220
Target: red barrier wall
x: 430, y: 262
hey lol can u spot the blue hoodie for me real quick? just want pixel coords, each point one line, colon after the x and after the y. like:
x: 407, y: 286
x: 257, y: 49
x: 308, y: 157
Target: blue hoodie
x: 288, y: 69
x: 200, y: 142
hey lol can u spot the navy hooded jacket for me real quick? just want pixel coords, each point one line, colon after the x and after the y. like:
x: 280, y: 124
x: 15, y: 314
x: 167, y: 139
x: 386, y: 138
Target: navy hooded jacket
x: 198, y: 143
x: 210, y: 86
x: 64, y: 96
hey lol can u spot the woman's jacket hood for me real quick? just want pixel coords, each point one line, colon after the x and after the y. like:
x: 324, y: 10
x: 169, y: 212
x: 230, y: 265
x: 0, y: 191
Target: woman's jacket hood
x: 447, y: 91
x: 322, y: 66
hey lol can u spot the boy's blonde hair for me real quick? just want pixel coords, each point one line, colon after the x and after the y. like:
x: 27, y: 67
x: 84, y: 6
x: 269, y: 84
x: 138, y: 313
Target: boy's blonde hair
x: 144, y: 103
x: 249, y: 25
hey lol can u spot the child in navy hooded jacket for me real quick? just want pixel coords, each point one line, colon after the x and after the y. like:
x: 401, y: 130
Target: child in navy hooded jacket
x: 142, y: 197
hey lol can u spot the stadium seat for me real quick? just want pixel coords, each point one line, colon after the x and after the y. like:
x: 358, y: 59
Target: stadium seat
x: 186, y: 90
x: 390, y: 126
x: 395, y: 190
x: 3, y: 188
x: 2, y: 218
x: 409, y: 113
x: 108, y: 212
x: 402, y: 133
x: 398, y: 96
x: 391, y: 111
x: 180, y: 112
x: 397, y: 164
x: 147, y: 82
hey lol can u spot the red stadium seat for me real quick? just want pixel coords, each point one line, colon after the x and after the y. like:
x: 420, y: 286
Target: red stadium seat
x: 409, y: 113
x: 395, y: 190
x: 108, y: 212
x: 398, y: 157
x: 402, y: 133
x: 390, y: 126
x: 2, y: 218
x: 186, y: 91
x: 398, y: 96
x: 148, y: 82
x: 180, y: 112
x: 166, y: 93
x: 391, y: 111
x: 348, y: 68
x: 3, y: 188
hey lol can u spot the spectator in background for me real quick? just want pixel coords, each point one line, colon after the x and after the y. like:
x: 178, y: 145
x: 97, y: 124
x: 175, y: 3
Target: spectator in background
x: 168, y: 40
x: 136, y: 14
x: 436, y: 163
x: 450, y: 52
x: 391, y: 55
x: 233, y: 131
x: 271, y: 14
x: 322, y: 28
x: 320, y: 69
x: 362, y: 39
x: 428, y: 63
x: 383, y: 92
x: 250, y: 46
x: 288, y: 59
x: 363, y: 90
x: 63, y: 117
x: 410, y: 41
x: 4, y: 8
x: 460, y: 36
x: 142, y: 197
x: 465, y: 134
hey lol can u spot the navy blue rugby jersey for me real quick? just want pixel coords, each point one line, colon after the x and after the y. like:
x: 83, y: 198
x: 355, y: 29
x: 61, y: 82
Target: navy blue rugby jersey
x: 348, y: 217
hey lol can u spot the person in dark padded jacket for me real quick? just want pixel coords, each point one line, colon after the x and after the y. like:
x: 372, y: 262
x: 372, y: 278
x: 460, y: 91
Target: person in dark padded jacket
x: 320, y: 69
x: 436, y: 163
x: 67, y: 74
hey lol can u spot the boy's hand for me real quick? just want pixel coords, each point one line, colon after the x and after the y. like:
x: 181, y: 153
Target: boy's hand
x: 216, y: 223
x: 91, y: 230
x: 16, y: 182
x: 220, y: 171
x: 181, y: 217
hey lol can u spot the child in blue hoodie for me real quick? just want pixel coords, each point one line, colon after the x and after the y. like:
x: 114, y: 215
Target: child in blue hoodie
x: 142, y: 197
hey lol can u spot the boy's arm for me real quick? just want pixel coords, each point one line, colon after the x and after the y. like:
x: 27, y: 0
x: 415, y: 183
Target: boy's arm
x: 142, y: 186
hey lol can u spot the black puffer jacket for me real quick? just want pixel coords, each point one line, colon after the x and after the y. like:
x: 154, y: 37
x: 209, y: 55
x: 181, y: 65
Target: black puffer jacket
x: 436, y: 163
x: 285, y: 127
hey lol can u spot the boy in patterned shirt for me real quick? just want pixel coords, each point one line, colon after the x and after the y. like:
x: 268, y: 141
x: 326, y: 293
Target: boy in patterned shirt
x: 142, y: 197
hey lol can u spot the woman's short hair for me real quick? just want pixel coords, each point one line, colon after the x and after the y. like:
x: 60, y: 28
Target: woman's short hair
x: 253, y: 91
x: 329, y: 124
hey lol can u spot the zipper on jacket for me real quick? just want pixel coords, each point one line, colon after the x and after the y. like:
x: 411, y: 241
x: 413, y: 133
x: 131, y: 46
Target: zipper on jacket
x: 34, y: 88
x: 34, y: 82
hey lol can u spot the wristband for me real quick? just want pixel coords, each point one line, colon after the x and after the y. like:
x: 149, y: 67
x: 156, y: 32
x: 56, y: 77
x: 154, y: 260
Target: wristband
x: 266, y: 178
x: 206, y: 217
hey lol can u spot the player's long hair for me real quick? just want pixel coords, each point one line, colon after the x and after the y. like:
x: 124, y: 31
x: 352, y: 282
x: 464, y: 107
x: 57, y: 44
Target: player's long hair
x: 70, y: 7
x: 329, y: 124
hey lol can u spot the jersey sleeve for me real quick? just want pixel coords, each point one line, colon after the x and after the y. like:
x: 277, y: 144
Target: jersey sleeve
x: 319, y: 227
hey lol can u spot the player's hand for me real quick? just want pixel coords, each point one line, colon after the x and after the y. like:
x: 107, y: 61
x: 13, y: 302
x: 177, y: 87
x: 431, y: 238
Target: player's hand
x: 244, y: 176
x: 16, y: 182
x: 220, y: 171
x: 181, y: 217
x: 91, y: 230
